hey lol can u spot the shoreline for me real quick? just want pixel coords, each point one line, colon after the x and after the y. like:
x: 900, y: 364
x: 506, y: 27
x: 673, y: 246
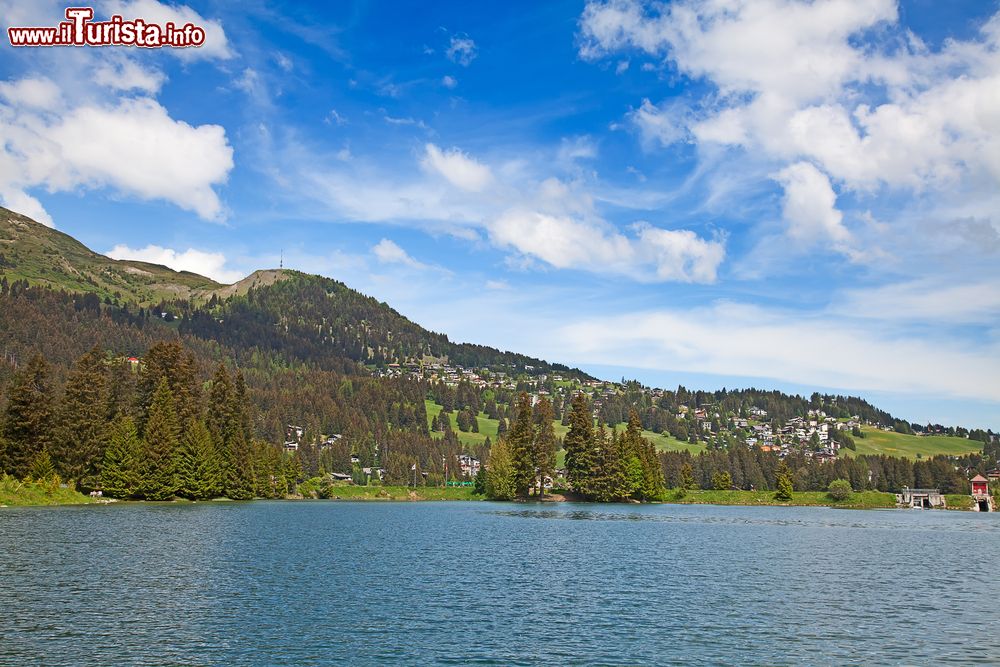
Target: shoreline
x: 36, y: 496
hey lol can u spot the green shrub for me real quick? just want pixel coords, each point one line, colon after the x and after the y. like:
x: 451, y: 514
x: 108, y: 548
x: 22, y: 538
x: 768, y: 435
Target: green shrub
x: 840, y: 489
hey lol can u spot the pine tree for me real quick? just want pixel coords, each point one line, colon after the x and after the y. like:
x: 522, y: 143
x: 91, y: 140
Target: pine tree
x: 79, y: 443
x: 27, y: 424
x: 119, y: 473
x: 544, y: 446
x: 579, y: 446
x: 521, y: 441
x: 501, y: 477
x: 157, y: 476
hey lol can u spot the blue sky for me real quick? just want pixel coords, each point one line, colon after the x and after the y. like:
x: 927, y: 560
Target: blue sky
x: 770, y: 193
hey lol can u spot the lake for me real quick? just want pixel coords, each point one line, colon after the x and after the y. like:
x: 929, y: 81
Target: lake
x: 317, y: 583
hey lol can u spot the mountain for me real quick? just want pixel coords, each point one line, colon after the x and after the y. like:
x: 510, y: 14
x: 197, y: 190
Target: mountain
x: 44, y: 256
x: 305, y: 317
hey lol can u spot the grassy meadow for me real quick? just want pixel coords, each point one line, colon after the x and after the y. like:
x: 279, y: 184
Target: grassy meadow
x: 877, y: 441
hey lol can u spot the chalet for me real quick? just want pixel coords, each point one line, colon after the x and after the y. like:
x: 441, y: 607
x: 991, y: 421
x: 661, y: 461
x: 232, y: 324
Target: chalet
x: 993, y: 475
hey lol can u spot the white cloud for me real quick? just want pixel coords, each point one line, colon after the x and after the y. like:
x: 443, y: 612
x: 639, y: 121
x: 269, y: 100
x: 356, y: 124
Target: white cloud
x: 810, y: 206
x: 926, y: 301
x: 210, y: 264
x: 810, y: 349
x: 449, y: 81
x: 664, y: 125
x: 388, y: 252
x: 462, y: 50
x: 497, y: 285
x: 458, y: 168
x: 216, y: 44
x: 133, y: 146
x: 23, y: 203
x: 124, y: 74
x: 838, y: 84
x: 565, y: 242
x: 138, y: 148
x: 33, y: 93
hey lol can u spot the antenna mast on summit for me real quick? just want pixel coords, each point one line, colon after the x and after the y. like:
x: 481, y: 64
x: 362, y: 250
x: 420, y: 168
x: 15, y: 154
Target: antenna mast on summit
x: 281, y: 261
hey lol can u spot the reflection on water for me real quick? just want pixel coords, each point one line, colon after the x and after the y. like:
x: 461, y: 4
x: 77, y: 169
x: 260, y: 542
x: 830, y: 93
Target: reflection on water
x: 273, y: 583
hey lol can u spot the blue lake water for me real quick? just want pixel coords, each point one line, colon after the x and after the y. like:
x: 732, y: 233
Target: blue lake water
x: 317, y: 583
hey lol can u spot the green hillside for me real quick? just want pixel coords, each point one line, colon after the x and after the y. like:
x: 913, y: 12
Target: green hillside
x: 890, y: 443
x: 44, y: 256
x: 663, y: 442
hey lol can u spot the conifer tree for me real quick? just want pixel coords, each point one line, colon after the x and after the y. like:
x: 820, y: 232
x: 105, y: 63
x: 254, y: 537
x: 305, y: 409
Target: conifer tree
x: 783, y: 482
x: 170, y: 362
x: 688, y: 482
x: 501, y: 478
x: 240, y: 479
x: 544, y: 446
x: 119, y: 473
x: 157, y: 475
x: 521, y: 440
x: 196, y: 464
x: 81, y: 434
x: 42, y: 469
x: 27, y: 424
x: 579, y: 446
x: 609, y: 482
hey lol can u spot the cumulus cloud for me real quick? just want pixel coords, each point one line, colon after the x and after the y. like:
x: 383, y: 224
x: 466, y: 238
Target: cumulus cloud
x: 652, y: 254
x: 458, y: 168
x: 462, y: 50
x: 210, y: 264
x: 835, y: 84
x: 132, y: 146
x: 810, y: 206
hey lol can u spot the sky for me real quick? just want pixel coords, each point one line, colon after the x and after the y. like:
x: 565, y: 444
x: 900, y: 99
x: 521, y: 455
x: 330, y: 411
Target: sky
x: 726, y: 193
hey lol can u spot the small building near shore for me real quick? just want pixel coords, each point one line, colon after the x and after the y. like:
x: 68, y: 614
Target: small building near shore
x: 981, y: 498
x: 922, y: 498
x: 980, y: 486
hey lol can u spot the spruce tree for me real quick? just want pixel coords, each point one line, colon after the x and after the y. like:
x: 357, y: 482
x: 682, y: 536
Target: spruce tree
x: 120, y: 473
x: 157, y: 474
x: 579, y: 446
x: 688, y: 482
x: 544, y: 446
x: 78, y: 446
x: 783, y: 482
x: 170, y: 362
x: 196, y: 464
x: 28, y: 421
x: 521, y: 441
x: 42, y: 469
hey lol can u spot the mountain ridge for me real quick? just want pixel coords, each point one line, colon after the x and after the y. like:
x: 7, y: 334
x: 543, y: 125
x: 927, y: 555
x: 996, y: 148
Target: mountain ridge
x: 282, y: 307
